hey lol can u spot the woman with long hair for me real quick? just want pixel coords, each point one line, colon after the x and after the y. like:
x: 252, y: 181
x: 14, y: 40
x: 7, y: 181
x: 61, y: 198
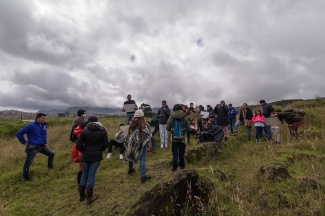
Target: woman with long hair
x: 136, y: 144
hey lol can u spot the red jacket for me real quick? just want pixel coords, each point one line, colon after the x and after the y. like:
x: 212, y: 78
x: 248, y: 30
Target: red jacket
x: 75, y: 154
x: 259, y: 118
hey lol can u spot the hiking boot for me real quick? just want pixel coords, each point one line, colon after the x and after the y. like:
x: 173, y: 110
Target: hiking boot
x: 90, y: 196
x: 153, y: 150
x: 82, y: 193
x: 109, y: 155
x: 131, y: 171
x: 145, y: 178
x: 234, y: 134
x: 121, y: 156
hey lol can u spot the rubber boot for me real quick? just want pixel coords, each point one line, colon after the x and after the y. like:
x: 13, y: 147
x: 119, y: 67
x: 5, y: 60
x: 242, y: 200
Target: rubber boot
x: 82, y: 194
x: 90, y: 197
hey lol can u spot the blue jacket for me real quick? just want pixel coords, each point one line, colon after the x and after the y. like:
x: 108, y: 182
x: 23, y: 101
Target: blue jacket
x: 232, y: 113
x: 36, y: 134
x: 266, y: 111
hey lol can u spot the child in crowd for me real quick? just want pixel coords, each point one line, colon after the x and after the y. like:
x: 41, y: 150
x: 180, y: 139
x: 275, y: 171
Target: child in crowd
x: 119, y: 142
x: 276, y: 129
x: 193, y: 128
x: 259, y: 121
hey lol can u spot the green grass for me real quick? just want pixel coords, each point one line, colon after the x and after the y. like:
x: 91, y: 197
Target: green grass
x: 243, y: 192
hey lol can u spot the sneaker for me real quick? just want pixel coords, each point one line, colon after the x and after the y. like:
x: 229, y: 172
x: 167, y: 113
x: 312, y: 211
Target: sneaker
x: 166, y: 146
x: 131, y: 171
x: 121, y: 156
x: 145, y: 178
x: 161, y: 146
x: 109, y: 155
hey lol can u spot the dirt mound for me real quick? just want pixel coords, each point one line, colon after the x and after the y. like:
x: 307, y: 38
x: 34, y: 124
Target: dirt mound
x: 186, y: 191
x: 275, y: 172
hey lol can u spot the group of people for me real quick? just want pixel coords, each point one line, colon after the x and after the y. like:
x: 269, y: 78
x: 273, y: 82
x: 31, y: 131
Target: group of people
x: 90, y: 136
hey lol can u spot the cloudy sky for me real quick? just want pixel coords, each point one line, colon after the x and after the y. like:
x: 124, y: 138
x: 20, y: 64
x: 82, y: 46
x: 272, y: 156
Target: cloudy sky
x: 56, y: 54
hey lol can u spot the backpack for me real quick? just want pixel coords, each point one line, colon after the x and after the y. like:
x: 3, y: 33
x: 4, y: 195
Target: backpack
x: 178, y: 130
x: 271, y: 109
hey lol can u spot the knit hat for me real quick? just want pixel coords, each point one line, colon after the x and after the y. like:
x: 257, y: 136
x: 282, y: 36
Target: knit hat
x: 93, y: 119
x: 138, y: 113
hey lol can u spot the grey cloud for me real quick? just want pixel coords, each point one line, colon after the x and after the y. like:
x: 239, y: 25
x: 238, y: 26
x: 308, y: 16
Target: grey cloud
x: 248, y: 51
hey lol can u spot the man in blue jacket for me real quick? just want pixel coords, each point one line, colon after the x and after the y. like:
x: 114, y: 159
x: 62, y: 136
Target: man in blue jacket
x: 232, y: 112
x: 36, y: 142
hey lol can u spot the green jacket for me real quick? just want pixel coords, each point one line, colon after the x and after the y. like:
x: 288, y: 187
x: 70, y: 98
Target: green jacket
x: 178, y: 115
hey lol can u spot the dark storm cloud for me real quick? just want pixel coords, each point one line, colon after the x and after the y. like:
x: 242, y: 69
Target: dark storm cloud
x: 56, y: 54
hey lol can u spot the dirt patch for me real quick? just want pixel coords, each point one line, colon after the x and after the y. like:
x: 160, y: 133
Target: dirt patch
x: 275, y: 172
x: 185, y: 191
x: 204, y: 149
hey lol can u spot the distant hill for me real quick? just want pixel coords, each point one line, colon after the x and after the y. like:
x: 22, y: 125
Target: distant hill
x: 92, y: 110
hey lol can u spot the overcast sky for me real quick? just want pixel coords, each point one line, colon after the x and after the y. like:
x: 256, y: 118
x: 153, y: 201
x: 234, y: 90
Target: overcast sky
x: 56, y: 54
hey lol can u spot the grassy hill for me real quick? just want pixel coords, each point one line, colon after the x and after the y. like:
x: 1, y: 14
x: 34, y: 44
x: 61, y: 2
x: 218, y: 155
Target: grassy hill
x: 245, y: 182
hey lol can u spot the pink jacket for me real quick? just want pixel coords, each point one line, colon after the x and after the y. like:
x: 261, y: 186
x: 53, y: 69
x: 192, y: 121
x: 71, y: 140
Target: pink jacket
x: 257, y: 118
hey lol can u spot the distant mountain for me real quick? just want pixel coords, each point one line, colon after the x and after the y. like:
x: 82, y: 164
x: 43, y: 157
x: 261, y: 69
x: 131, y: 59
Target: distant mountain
x: 92, y: 110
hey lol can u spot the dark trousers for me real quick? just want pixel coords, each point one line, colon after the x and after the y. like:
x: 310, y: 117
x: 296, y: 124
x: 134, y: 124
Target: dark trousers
x: 259, y: 132
x: 117, y: 144
x: 208, y: 137
x: 178, y: 149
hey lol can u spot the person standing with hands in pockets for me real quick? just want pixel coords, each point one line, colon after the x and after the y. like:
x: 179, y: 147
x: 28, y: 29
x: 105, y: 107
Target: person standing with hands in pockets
x: 163, y: 115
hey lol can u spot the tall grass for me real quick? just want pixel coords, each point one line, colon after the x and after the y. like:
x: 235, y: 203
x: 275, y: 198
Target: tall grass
x: 242, y: 190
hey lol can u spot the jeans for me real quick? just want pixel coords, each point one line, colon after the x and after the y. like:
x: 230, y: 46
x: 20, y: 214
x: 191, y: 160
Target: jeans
x: 31, y: 151
x: 231, y: 125
x: 248, y: 129
x: 268, y: 132
x: 259, y: 132
x: 143, y: 159
x: 129, y: 117
x: 163, y: 134
x: 178, y: 149
x: 88, y: 173
x: 152, y: 141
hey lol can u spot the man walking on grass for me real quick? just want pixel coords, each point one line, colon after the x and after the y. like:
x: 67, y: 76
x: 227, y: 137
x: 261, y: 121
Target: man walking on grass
x: 36, y: 142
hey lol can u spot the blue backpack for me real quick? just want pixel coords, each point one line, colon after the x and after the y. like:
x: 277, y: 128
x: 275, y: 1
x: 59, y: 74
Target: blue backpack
x: 178, y: 133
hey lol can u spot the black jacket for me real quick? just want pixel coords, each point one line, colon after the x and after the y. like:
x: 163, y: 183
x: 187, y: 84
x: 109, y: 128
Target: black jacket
x: 222, y: 115
x: 165, y: 115
x: 249, y: 115
x: 92, y: 142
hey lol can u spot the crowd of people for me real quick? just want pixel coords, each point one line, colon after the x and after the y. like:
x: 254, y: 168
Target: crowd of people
x: 90, y: 136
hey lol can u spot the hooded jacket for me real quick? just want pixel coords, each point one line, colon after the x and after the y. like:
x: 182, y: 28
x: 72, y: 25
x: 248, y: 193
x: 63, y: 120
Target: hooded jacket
x: 232, y: 113
x: 222, y: 115
x: 95, y: 141
x: 36, y: 134
x: 180, y: 115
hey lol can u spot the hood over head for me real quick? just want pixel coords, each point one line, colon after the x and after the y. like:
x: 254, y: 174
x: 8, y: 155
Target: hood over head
x: 179, y: 114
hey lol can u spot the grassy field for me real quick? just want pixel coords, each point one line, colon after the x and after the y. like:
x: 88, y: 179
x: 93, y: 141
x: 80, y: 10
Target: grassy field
x: 245, y: 191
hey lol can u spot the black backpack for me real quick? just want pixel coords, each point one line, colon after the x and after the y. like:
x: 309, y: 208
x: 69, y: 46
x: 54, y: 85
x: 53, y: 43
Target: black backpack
x: 271, y: 109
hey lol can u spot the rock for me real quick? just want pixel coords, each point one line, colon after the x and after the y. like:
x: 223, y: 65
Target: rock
x: 275, y: 172
x: 185, y: 188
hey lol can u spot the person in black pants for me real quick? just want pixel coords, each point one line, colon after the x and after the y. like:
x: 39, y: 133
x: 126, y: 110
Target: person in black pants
x: 119, y: 142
